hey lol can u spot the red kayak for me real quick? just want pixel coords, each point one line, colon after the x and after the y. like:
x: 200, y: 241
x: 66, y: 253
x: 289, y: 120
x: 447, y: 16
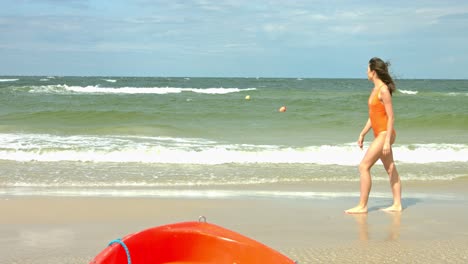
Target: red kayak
x: 189, y: 243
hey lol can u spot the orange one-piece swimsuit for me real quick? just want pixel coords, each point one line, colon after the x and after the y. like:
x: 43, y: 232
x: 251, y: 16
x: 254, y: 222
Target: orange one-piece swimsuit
x: 378, y: 115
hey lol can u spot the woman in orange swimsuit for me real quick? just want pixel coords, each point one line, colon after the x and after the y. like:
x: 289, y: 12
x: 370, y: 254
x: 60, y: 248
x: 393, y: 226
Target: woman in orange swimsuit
x: 381, y: 121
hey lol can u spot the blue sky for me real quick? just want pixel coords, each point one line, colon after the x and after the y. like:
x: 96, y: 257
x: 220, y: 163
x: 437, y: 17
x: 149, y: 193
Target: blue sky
x: 223, y: 38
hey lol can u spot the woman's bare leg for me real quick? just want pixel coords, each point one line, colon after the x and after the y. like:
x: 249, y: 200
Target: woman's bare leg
x: 372, y: 155
x: 395, y: 182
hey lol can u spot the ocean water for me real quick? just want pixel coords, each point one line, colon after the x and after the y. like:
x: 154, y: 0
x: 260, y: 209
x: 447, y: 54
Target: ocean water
x: 135, y: 136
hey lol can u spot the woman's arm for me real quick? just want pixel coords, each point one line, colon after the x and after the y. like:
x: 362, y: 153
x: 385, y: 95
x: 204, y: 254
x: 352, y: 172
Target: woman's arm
x: 363, y: 133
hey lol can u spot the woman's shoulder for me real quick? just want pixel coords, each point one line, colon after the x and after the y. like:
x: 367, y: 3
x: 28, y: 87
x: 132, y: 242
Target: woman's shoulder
x: 384, y: 92
x: 384, y: 89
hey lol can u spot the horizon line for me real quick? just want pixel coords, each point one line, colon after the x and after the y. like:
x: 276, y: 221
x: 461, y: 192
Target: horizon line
x: 219, y: 77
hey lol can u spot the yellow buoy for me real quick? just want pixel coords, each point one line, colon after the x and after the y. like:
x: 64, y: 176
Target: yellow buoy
x: 282, y: 109
x: 247, y: 97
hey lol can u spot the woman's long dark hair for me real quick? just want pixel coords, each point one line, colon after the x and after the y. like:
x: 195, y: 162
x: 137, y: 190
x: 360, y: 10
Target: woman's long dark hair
x: 381, y: 68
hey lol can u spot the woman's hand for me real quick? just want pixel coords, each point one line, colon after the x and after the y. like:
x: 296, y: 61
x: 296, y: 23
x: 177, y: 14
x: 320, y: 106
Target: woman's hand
x: 386, y: 149
x: 360, y: 141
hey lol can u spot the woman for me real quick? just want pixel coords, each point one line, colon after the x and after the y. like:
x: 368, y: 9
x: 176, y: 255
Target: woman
x: 381, y: 121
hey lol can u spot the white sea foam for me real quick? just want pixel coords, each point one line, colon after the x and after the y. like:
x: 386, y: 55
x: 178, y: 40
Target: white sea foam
x: 212, y: 193
x: 458, y: 94
x: 408, y: 92
x: 429, y: 153
x: 32, y: 147
x: 181, y: 193
x: 8, y: 80
x: 110, y: 80
x: 60, y: 89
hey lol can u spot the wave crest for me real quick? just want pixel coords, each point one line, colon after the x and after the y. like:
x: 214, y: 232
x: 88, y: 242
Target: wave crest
x: 408, y: 92
x: 96, y: 89
x: 34, y: 147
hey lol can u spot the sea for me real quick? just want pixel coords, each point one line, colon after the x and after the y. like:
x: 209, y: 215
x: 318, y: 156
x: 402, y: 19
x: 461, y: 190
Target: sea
x: 217, y: 137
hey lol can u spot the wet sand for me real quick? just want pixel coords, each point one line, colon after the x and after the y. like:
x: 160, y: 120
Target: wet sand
x: 75, y: 229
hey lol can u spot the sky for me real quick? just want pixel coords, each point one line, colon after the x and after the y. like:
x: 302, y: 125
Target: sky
x: 233, y: 38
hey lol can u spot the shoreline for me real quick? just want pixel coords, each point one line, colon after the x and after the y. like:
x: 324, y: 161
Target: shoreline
x: 412, y: 190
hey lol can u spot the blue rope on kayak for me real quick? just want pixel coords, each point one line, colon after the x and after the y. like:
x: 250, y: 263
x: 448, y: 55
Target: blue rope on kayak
x: 119, y: 241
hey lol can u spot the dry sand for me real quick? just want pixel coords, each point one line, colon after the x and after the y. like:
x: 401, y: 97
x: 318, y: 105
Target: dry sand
x: 73, y: 230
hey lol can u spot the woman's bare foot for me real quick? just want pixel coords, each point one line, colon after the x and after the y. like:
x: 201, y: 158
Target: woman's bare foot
x: 357, y: 210
x: 393, y: 208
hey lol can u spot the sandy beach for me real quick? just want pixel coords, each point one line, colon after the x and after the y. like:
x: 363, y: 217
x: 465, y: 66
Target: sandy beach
x: 75, y: 229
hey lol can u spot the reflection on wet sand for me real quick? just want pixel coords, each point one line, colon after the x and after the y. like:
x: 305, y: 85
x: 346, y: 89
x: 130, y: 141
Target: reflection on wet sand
x: 361, y: 219
x: 393, y: 229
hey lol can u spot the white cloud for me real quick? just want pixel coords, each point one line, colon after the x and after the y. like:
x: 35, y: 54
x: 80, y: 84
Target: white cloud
x: 274, y: 28
x: 349, y: 29
x: 319, y: 17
